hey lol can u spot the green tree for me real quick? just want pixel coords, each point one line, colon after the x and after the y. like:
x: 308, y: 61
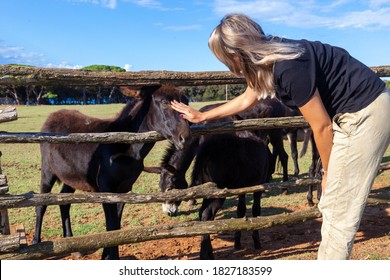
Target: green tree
x: 213, y: 92
x: 104, y: 68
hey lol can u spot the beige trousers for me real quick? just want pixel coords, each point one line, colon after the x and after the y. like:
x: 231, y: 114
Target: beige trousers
x: 360, y: 140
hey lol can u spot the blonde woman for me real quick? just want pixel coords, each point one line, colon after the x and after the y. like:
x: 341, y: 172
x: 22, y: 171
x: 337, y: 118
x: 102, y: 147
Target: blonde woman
x: 345, y: 103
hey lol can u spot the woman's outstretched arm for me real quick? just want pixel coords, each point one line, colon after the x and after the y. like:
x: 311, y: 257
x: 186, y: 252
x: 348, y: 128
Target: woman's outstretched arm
x: 234, y: 106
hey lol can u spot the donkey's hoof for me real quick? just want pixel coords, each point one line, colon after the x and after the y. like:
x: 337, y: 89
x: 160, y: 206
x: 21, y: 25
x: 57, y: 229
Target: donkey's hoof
x: 77, y: 254
x: 257, y: 246
x: 82, y: 254
x: 237, y: 245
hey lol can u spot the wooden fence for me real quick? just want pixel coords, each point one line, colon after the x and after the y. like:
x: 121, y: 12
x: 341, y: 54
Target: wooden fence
x: 20, y: 75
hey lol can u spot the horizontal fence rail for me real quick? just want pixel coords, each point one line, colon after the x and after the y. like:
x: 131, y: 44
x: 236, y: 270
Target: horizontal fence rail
x: 24, y: 75
x: 95, y: 241
x: 11, y: 75
x: 152, y: 136
x: 207, y: 190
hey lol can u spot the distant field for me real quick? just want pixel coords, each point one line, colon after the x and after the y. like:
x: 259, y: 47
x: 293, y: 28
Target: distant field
x: 21, y: 165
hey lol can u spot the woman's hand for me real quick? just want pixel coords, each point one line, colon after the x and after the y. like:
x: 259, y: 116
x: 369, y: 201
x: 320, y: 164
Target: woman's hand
x: 187, y: 112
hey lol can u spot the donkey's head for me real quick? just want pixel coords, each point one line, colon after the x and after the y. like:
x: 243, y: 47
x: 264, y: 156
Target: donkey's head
x: 160, y: 116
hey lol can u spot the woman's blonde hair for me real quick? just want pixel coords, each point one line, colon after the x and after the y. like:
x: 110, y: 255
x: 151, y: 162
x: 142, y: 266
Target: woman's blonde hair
x: 240, y: 44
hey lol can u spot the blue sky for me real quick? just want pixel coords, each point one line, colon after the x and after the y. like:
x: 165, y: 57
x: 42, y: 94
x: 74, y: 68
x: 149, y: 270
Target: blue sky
x: 172, y: 35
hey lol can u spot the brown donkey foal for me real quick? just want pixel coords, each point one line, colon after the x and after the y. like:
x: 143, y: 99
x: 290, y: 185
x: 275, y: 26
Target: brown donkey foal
x: 107, y: 167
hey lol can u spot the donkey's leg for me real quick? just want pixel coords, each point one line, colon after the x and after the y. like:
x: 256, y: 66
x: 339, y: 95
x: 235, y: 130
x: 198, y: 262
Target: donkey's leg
x: 278, y: 149
x: 65, y: 209
x: 310, y: 196
x: 112, y: 223
x: 47, y: 182
x: 314, y: 171
x: 65, y: 217
x: 256, y: 211
x: 316, y: 164
x: 319, y: 193
x: 113, y: 214
x: 207, y: 212
x: 241, y: 210
x: 120, y: 207
x: 292, y: 139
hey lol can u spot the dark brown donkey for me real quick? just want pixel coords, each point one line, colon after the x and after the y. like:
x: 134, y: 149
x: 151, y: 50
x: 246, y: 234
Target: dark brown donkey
x: 107, y: 167
x: 230, y: 161
x: 175, y: 163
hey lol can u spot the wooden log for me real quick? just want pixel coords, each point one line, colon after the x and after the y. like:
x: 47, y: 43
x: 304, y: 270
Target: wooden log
x: 8, y: 114
x: 11, y: 75
x: 4, y: 222
x: 3, y: 184
x: 79, y: 138
x: 151, y: 136
x: 208, y: 190
x: 372, y: 201
x: 9, y: 243
x: 3, y: 188
x: 89, y: 242
x: 381, y: 71
x: 384, y: 166
x: 14, y: 240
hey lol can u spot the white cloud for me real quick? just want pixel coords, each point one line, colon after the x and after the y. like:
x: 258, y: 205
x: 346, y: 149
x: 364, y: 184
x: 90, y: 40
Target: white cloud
x: 18, y: 55
x: 63, y: 65
x: 152, y: 4
x: 367, y: 19
x: 4, y: 50
x: 372, y: 14
x: 183, y: 27
x: 128, y: 67
x: 111, y: 4
x: 147, y: 3
x: 378, y: 3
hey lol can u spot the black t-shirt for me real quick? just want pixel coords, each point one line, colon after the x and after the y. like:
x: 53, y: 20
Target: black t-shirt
x: 345, y: 84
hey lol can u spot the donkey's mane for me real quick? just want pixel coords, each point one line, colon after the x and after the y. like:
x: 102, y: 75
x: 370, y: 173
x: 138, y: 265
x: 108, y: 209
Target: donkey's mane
x: 169, y: 152
x: 169, y: 89
x: 130, y: 105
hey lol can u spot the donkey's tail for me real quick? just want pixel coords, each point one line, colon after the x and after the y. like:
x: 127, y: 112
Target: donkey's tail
x: 306, y: 139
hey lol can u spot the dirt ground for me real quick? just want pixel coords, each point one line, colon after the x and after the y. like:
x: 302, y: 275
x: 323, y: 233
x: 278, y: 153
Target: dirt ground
x: 294, y: 242
x: 297, y: 242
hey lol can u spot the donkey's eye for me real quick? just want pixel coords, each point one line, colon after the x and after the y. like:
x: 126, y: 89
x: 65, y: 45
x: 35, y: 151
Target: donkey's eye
x: 165, y: 103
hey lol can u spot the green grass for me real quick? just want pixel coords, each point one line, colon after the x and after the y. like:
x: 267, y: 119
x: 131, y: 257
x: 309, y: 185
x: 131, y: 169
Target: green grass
x: 21, y: 165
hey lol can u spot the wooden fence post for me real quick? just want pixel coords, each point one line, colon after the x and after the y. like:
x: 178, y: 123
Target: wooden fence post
x: 8, y: 114
x: 4, y: 222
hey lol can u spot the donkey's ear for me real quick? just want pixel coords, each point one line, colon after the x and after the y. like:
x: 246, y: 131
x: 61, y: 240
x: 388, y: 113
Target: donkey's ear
x: 145, y: 90
x: 133, y: 91
x: 170, y: 168
x: 152, y: 169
